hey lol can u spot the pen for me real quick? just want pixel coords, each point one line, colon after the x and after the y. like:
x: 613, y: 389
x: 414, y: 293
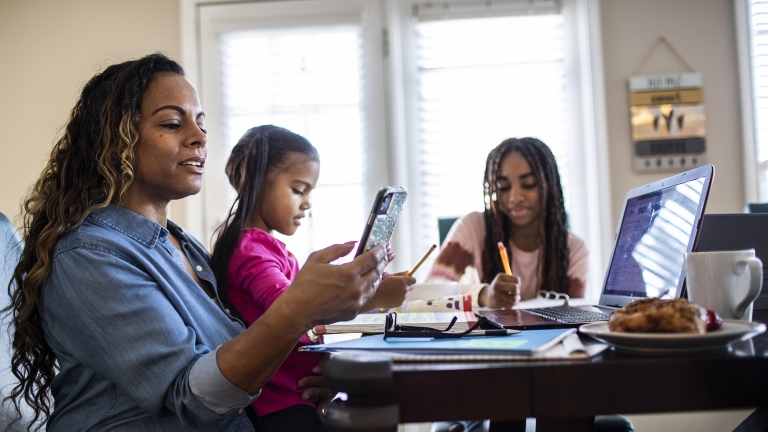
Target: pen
x: 421, y: 261
x: 492, y: 332
x: 504, y: 259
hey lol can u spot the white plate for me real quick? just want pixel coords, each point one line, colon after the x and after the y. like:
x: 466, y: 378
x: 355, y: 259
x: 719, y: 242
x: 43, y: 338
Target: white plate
x: 675, y: 343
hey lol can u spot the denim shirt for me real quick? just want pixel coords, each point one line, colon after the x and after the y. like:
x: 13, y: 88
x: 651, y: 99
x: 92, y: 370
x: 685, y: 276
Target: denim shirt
x: 134, y: 335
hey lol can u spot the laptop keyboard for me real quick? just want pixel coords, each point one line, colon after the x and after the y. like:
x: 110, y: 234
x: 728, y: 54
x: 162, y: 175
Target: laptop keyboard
x: 567, y: 314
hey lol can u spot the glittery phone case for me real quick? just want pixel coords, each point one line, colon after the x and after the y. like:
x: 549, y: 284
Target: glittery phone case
x: 383, y: 217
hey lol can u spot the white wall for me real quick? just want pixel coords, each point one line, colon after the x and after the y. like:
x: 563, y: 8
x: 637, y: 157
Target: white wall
x: 48, y: 50
x: 703, y: 32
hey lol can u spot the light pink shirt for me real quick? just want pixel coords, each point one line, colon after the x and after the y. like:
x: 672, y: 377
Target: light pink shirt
x: 260, y: 270
x: 463, y: 249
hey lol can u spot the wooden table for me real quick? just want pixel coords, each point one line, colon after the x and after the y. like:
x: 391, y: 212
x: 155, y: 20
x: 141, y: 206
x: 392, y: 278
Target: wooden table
x: 562, y: 395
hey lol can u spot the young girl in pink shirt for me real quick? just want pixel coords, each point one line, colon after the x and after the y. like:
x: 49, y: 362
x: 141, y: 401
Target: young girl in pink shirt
x: 273, y: 171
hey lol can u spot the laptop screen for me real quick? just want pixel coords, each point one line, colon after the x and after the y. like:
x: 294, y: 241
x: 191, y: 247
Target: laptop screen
x: 655, y: 232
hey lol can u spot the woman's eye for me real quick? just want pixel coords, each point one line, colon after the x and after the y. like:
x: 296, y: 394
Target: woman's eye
x: 298, y: 192
x: 171, y: 126
x: 529, y: 186
x: 203, y: 130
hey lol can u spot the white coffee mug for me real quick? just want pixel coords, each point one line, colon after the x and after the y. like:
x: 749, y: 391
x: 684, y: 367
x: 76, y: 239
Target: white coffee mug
x: 726, y: 282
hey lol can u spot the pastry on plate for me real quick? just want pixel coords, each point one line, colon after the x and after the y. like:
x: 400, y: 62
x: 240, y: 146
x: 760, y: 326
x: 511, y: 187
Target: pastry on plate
x: 654, y: 315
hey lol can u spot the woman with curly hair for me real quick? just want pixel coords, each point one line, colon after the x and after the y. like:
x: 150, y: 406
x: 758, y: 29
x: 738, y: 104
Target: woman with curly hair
x: 524, y: 210
x: 116, y: 313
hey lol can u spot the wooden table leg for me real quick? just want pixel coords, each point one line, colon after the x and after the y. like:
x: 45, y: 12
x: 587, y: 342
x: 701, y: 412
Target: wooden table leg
x: 565, y: 425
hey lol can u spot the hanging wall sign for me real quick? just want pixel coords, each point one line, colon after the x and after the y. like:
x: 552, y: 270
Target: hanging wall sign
x: 668, y: 121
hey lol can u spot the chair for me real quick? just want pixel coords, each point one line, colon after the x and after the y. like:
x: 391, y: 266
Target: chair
x: 444, y: 226
x: 756, y: 208
x: 10, y: 252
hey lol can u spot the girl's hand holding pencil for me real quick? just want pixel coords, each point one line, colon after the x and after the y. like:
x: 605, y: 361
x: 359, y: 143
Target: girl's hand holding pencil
x: 391, y: 292
x: 394, y: 288
x: 504, y: 290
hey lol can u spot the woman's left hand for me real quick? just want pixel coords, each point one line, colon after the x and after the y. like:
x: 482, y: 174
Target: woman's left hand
x: 314, y: 386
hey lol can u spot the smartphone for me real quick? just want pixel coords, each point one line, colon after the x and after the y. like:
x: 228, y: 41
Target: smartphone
x: 383, y: 218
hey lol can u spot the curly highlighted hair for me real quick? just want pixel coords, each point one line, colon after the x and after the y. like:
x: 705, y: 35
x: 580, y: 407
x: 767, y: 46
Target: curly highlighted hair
x: 90, y: 166
x: 553, y: 230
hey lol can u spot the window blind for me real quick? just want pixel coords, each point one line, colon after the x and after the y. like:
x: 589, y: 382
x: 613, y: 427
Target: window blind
x: 480, y: 81
x: 308, y: 80
x: 759, y: 57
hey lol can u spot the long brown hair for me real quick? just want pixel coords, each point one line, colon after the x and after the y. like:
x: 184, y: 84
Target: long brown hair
x: 554, y: 257
x: 90, y: 166
x: 259, y: 152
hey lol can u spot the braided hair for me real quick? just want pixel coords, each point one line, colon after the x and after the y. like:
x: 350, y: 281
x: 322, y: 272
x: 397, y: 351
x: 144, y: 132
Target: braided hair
x: 553, y: 231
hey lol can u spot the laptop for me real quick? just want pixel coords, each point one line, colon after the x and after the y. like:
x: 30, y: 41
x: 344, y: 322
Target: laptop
x: 738, y: 231
x: 660, y: 222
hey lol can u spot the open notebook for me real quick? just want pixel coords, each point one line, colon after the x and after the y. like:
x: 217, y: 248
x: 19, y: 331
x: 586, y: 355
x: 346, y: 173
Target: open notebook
x: 660, y: 222
x: 374, y: 322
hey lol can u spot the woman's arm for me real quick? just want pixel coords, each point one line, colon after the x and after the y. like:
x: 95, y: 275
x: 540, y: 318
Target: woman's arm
x: 113, y: 317
x: 321, y: 293
x: 105, y: 313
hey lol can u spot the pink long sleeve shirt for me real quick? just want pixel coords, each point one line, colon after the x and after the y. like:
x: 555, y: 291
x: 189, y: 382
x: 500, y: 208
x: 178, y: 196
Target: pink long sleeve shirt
x: 260, y: 270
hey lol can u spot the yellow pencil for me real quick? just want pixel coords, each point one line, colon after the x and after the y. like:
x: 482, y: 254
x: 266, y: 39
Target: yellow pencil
x: 421, y: 261
x: 504, y: 259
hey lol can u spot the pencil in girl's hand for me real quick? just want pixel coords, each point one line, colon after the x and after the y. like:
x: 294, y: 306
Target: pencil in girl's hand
x: 421, y: 261
x: 504, y: 259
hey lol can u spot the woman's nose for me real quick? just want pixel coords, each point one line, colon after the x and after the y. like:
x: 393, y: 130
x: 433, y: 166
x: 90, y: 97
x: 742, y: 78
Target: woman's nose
x: 198, y: 138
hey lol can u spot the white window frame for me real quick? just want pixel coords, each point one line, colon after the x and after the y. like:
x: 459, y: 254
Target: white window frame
x: 591, y: 198
x: 746, y: 90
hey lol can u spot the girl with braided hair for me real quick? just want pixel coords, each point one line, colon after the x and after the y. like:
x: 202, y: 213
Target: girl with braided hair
x: 524, y: 210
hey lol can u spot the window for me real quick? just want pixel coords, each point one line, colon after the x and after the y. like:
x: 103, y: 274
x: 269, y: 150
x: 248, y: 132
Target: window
x: 753, y: 17
x: 403, y: 92
x: 480, y: 81
x: 307, y: 76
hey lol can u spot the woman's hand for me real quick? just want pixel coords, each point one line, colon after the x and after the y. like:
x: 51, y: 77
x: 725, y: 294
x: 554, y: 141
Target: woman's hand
x: 503, y: 292
x: 321, y: 293
x: 391, y: 292
x: 325, y: 293
x: 314, y: 386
